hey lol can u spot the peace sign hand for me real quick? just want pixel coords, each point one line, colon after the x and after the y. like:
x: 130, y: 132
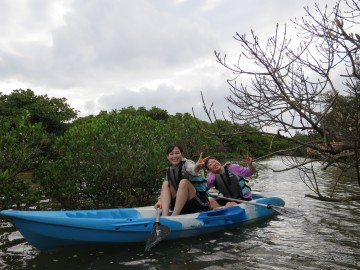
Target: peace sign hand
x: 201, y: 161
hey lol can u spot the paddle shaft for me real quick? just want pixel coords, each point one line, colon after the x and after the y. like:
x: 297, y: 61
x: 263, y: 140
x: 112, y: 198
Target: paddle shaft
x: 157, y: 219
x: 268, y: 206
x: 285, y: 211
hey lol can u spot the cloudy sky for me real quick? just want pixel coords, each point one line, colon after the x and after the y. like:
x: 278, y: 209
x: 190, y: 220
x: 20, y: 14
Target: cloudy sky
x: 111, y: 54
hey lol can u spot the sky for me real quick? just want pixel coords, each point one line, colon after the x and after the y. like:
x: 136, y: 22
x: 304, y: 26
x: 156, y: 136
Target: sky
x: 111, y: 54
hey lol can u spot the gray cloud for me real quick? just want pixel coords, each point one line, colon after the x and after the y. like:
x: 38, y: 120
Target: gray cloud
x: 113, y: 54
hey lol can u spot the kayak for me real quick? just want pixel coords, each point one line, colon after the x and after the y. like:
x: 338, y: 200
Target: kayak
x: 49, y: 230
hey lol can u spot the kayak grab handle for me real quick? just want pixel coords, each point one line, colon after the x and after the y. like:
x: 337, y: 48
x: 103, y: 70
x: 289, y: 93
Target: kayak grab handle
x: 226, y: 215
x: 219, y: 220
x: 118, y: 226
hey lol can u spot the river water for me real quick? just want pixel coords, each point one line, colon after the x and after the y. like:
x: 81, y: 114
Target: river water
x: 326, y: 237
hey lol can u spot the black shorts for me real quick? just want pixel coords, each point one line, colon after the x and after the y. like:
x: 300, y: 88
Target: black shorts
x: 199, y: 203
x: 222, y: 202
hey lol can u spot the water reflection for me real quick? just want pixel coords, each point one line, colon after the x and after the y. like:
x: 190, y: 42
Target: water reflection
x: 325, y: 238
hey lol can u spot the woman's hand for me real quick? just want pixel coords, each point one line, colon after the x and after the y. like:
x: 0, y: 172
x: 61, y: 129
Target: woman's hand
x: 201, y: 162
x: 158, y: 204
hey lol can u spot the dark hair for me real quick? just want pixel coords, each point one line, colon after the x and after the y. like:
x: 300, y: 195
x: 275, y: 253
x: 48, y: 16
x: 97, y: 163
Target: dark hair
x: 172, y: 146
x: 206, y: 162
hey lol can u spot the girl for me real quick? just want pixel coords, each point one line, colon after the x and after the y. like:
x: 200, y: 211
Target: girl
x: 184, y: 189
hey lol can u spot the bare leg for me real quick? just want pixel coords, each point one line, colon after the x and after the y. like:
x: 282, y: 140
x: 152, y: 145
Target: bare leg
x: 186, y: 192
x: 165, y: 197
x: 213, y: 204
x: 231, y: 204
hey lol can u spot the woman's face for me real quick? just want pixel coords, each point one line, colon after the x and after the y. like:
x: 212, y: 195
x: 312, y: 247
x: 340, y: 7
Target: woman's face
x: 175, y: 156
x: 214, y: 165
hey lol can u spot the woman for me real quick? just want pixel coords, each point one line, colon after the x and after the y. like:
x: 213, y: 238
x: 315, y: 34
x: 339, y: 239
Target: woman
x: 228, y: 179
x: 184, y: 190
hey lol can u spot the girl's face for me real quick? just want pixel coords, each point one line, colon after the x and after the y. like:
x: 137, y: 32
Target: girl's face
x: 175, y: 156
x: 214, y: 165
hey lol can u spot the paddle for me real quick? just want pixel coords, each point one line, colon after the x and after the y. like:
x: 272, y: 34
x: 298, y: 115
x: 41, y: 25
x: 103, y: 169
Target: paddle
x: 285, y: 211
x: 158, y: 233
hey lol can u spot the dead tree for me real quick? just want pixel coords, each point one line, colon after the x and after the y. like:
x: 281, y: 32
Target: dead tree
x: 297, y: 90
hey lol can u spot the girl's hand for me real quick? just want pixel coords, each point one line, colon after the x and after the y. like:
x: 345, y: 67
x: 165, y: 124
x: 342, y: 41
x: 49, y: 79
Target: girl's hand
x: 248, y: 159
x: 201, y: 162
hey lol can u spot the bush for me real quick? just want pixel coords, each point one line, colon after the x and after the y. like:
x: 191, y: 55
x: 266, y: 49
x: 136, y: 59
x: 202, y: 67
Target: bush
x: 113, y: 160
x: 21, y: 149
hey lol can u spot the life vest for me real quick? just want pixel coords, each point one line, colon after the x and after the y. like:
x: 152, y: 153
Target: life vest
x: 231, y: 185
x: 177, y: 173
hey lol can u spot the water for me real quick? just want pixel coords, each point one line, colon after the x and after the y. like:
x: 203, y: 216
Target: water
x: 327, y: 237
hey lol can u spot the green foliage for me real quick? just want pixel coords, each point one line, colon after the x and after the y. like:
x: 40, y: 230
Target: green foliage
x: 186, y: 131
x: 154, y: 113
x: 53, y: 113
x: 21, y: 142
x: 112, y: 160
x: 15, y: 192
x: 158, y: 114
x: 21, y: 149
x: 237, y: 140
x: 183, y: 129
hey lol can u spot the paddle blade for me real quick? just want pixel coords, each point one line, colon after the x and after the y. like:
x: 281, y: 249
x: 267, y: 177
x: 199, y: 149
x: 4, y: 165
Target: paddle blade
x: 159, y: 233
x: 286, y: 211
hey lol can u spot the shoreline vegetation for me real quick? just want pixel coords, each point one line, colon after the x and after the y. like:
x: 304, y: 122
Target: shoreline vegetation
x: 46, y: 151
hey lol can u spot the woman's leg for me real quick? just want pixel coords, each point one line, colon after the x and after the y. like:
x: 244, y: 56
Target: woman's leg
x: 213, y: 204
x: 165, y: 197
x: 231, y: 204
x: 186, y: 191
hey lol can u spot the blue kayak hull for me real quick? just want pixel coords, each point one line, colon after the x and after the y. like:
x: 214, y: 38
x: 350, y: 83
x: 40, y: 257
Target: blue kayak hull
x: 48, y: 230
